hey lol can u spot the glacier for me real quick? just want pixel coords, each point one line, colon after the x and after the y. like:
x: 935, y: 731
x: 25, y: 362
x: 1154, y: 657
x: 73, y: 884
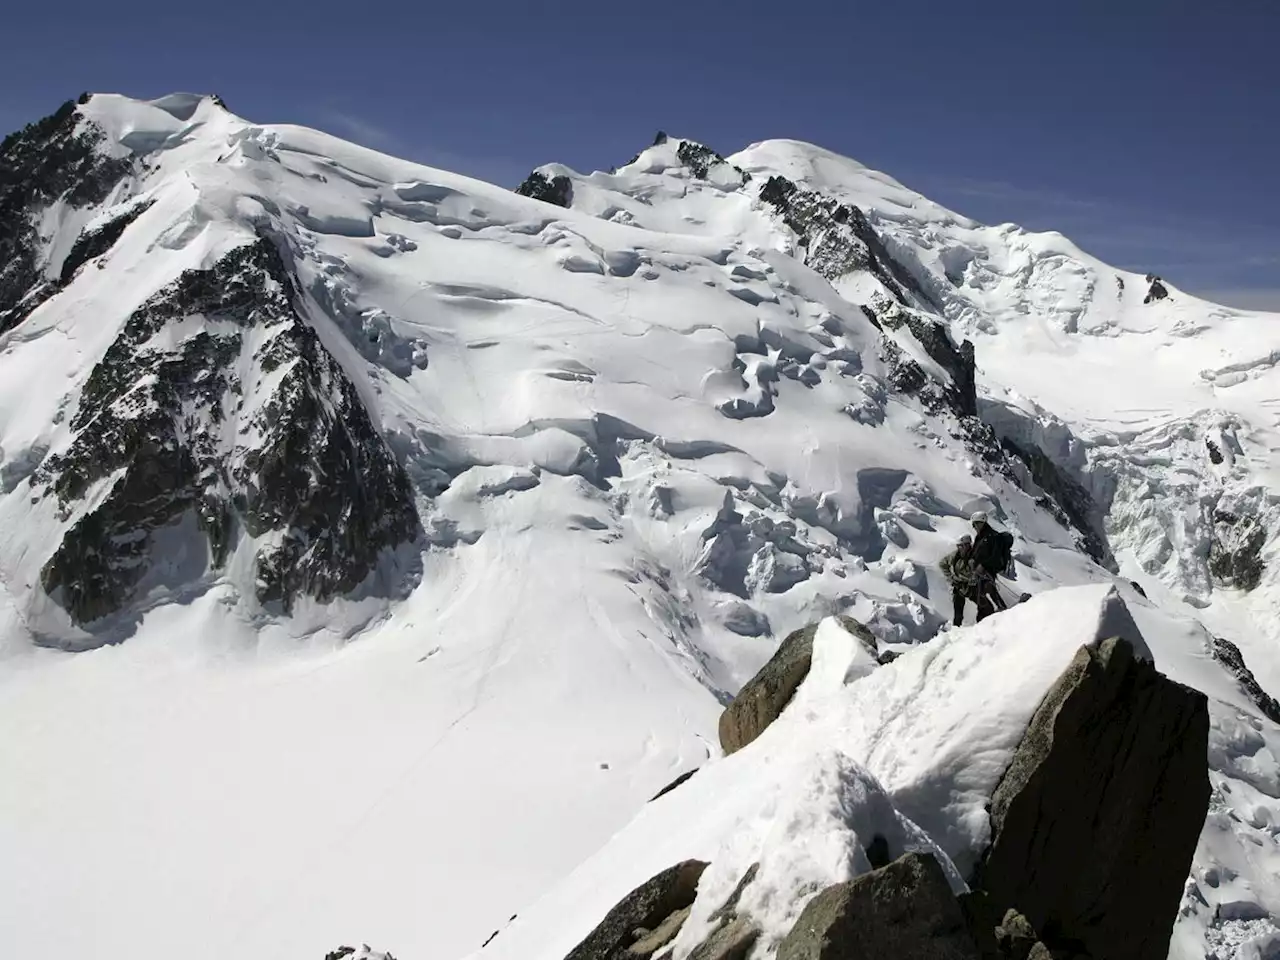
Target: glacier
x: 629, y: 443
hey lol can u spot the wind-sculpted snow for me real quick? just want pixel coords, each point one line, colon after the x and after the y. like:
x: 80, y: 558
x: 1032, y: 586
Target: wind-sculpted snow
x: 647, y: 433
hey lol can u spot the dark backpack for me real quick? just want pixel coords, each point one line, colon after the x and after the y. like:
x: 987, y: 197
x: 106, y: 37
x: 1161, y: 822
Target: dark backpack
x: 1006, y: 549
x: 994, y: 551
x: 1005, y: 554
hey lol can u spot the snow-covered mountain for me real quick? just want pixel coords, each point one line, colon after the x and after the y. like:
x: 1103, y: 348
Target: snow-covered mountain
x: 379, y: 540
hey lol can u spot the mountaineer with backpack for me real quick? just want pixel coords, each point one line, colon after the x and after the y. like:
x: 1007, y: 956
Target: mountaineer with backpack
x: 973, y: 567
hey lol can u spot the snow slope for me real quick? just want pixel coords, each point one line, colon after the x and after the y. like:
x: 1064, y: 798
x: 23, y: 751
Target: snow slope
x: 646, y: 441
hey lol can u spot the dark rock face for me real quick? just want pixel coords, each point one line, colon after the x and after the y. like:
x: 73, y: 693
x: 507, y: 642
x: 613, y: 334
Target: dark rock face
x: 958, y: 361
x: 837, y: 237
x: 1157, y: 290
x: 646, y: 919
x: 57, y: 158
x: 266, y: 439
x: 1069, y: 501
x: 557, y: 190
x: 1096, y: 820
x: 1235, y: 557
x: 1229, y: 655
x: 700, y: 158
x: 905, y: 909
x: 763, y: 698
x: 94, y: 243
x: 1215, y: 455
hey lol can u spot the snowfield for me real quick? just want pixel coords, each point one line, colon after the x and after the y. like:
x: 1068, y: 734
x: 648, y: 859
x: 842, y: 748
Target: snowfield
x: 646, y: 441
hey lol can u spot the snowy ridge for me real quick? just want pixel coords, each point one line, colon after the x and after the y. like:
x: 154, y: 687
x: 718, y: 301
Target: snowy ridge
x: 645, y: 436
x: 899, y: 752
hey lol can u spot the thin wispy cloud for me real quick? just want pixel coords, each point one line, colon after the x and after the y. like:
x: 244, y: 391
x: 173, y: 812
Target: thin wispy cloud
x: 363, y: 132
x: 1013, y: 193
x: 503, y: 171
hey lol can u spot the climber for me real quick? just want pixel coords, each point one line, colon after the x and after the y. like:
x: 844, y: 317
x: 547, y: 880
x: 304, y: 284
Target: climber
x: 961, y: 570
x: 973, y: 567
x: 993, y: 555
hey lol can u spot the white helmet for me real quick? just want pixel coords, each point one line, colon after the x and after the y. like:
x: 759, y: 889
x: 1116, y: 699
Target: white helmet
x: 977, y: 518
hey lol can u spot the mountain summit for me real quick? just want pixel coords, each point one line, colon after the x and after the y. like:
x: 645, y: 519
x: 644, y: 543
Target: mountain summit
x: 378, y: 540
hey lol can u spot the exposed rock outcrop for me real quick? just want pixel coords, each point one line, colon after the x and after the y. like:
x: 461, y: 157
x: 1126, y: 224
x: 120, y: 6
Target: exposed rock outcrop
x: 1229, y: 655
x: 59, y: 158
x: 905, y: 909
x: 732, y: 936
x: 646, y: 919
x: 700, y: 159
x: 241, y: 420
x: 763, y: 698
x: 932, y: 335
x: 730, y: 941
x: 1096, y: 820
x: 1065, y: 498
x: 93, y: 243
x: 557, y: 190
x: 837, y: 237
x: 1156, y: 291
x: 351, y: 953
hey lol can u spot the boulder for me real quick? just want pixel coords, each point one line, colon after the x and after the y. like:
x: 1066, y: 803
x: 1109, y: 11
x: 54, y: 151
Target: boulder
x: 732, y: 941
x: 646, y: 919
x: 1095, y: 822
x: 763, y: 698
x: 1015, y: 937
x: 733, y: 936
x: 906, y: 909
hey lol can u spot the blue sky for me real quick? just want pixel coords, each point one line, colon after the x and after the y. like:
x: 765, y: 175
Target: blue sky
x: 1146, y: 131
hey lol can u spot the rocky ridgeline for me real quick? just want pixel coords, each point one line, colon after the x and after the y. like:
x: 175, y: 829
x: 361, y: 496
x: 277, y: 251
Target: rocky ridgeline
x: 238, y: 417
x: 59, y: 158
x: 701, y: 159
x: 1093, y: 828
x: 557, y: 190
x: 1229, y: 655
x: 837, y: 238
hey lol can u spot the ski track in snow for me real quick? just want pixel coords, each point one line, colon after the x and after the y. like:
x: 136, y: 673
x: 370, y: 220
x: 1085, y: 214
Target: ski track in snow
x: 608, y: 554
